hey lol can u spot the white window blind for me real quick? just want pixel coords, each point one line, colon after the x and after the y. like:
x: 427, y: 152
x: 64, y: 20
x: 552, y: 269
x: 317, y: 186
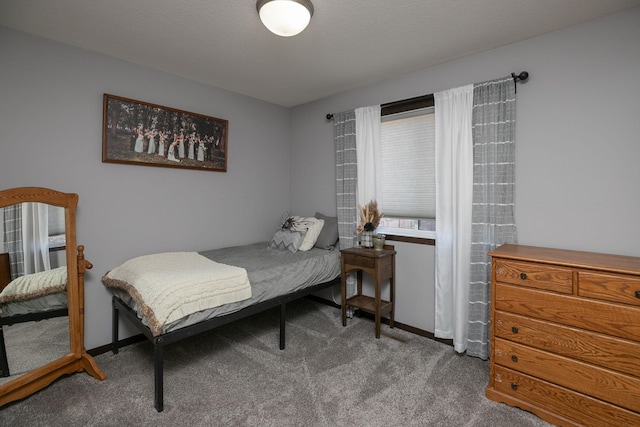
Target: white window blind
x: 56, y: 220
x: 408, y: 164
x: 57, y: 236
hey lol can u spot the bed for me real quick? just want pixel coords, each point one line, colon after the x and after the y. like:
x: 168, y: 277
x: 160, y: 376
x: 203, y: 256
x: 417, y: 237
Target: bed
x: 277, y: 273
x: 31, y: 297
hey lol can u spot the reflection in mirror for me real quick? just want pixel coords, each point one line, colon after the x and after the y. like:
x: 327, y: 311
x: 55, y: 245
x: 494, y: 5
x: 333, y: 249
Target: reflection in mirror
x: 34, y: 324
x: 31, y: 345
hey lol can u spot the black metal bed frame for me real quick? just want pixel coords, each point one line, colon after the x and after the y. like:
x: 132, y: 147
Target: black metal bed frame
x: 21, y: 318
x: 170, y: 337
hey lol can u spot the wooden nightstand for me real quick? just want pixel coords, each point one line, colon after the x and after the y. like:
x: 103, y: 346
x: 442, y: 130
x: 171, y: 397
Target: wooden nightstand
x: 380, y: 265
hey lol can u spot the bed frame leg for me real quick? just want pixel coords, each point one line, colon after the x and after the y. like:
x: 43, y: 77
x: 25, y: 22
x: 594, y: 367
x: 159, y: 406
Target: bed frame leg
x: 158, y: 374
x: 4, y: 363
x: 283, y: 320
x: 114, y: 327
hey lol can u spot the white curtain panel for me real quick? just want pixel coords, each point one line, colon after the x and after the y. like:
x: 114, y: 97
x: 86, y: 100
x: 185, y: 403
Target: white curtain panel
x: 454, y: 196
x: 368, y: 152
x: 35, y: 235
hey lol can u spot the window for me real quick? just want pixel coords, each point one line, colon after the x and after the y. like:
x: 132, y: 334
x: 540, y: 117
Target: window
x: 408, y: 184
x: 57, y: 237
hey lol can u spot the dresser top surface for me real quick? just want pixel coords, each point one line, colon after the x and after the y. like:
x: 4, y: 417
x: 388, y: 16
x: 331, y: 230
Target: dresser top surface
x: 570, y: 258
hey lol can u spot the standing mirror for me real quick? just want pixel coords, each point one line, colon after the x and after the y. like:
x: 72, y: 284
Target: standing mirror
x: 41, y: 292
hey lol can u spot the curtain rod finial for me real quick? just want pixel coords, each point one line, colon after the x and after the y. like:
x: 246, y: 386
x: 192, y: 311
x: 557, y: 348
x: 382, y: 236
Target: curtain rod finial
x: 522, y: 76
x: 329, y: 116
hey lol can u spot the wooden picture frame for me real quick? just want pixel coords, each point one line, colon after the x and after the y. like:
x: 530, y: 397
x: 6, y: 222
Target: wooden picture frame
x: 140, y: 133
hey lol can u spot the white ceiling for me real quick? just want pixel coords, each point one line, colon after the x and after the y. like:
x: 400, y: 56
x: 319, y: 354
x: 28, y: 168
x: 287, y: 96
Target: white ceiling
x: 349, y: 43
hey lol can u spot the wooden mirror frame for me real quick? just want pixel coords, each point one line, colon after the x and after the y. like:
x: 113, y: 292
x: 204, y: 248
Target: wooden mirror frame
x: 78, y: 359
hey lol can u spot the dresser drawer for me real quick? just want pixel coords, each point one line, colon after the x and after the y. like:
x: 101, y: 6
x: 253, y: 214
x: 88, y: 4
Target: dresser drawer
x: 606, y: 351
x: 609, y: 287
x: 613, y: 387
x: 534, y: 275
x: 597, y: 316
x: 542, y: 397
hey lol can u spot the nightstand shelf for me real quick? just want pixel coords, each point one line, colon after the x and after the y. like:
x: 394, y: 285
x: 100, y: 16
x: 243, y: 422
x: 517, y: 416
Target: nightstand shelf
x: 380, y: 265
x: 368, y: 304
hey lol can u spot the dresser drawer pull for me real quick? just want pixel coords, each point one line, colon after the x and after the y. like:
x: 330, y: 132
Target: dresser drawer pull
x: 523, y: 276
x: 514, y: 358
x: 637, y: 294
x: 514, y: 329
x: 514, y: 386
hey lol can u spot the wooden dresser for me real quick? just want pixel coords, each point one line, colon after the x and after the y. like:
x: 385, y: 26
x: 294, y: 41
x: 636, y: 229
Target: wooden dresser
x: 565, y: 335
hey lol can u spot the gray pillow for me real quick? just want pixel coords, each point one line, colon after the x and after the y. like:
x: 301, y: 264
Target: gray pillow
x: 329, y: 234
x: 287, y: 240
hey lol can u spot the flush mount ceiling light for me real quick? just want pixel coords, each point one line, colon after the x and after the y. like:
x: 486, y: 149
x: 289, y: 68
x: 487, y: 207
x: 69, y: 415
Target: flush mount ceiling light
x: 285, y: 18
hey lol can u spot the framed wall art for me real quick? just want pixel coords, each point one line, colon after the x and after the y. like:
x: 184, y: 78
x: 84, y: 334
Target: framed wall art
x: 139, y: 133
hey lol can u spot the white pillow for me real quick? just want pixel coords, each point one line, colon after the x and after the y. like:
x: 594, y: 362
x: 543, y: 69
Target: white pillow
x: 312, y: 226
x: 35, y: 285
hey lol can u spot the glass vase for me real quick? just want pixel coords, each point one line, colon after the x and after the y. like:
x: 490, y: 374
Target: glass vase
x: 378, y: 242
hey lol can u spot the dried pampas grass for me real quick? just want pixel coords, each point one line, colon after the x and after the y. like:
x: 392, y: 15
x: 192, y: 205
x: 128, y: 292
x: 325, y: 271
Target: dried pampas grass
x: 369, y: 216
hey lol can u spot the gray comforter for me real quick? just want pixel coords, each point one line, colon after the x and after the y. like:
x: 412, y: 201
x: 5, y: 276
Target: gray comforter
x: 271, y: 272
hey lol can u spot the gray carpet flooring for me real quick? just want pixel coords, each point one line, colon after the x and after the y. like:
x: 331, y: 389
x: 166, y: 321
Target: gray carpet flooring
x: 328, y: 375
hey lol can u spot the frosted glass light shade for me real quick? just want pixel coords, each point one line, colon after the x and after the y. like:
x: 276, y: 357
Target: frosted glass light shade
x: 285, y: 18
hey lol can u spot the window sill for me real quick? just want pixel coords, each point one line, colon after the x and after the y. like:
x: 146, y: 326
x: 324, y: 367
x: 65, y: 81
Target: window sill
x: 420, y: 237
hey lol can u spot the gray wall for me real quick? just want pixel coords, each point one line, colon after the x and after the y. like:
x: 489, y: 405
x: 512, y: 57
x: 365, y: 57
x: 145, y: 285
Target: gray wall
x: 50, y: 135
x: 577, y: 145
x: 578, y: 133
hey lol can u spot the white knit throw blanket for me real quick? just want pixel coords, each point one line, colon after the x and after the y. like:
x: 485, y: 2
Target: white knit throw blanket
x: 168, y: 286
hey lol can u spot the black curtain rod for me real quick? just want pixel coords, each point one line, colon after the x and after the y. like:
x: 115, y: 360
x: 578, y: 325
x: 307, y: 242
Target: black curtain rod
x: 524, y: 75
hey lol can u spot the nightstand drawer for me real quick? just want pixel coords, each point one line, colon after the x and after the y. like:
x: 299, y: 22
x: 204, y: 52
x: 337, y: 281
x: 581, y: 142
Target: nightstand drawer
x: 359, y: 261
x: 609, y: 287
x: 534, y: 275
